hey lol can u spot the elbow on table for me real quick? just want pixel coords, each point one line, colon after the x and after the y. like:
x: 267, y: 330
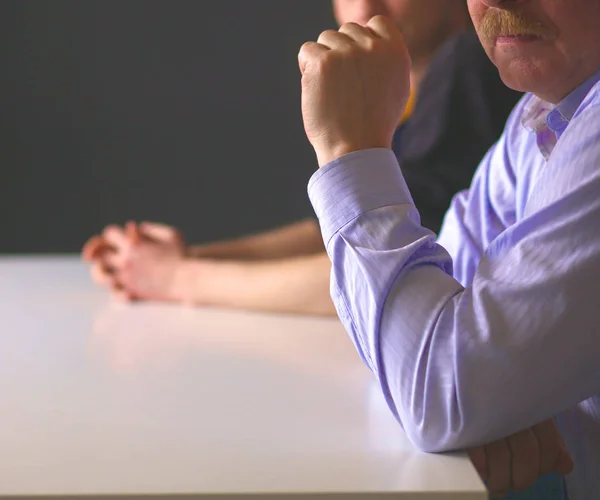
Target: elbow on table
x: 441, y: 417
x: 442, y: 433
x: 434, y: 440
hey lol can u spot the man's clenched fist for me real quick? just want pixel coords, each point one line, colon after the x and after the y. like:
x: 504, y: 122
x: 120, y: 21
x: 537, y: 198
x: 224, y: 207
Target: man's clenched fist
x: 355, y: 86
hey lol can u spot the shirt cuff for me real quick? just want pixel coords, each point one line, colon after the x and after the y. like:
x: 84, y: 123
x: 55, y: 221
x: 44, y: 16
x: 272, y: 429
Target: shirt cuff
x: 354, y: 184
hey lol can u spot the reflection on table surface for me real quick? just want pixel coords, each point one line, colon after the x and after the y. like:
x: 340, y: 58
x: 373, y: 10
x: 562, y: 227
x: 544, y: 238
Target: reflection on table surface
x: 104, y: 398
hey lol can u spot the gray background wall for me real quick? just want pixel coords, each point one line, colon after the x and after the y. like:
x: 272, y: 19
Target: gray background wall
x: 182, y: 111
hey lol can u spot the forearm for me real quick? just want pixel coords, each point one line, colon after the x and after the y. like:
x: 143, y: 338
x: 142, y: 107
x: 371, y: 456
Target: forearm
x: 297, y: 285
x: 301, y: 238
x: 447, y: 357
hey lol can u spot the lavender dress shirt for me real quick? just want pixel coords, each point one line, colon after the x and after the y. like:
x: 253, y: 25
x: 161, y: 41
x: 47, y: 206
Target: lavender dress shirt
x: 494, y: 326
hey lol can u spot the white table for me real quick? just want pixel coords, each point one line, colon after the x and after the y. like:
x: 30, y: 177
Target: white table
x: 102, y: 398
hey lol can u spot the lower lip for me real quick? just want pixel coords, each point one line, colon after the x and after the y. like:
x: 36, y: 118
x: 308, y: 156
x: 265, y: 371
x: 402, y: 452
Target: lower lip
x: 505, y: 40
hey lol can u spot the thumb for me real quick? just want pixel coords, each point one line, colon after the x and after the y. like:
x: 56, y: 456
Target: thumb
x: 133, y: 232
x: 92, y: 248
x: 159, y: 232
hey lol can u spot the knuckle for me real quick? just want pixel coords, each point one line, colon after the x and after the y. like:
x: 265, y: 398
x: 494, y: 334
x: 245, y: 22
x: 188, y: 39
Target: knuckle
x: 305, y: 46
x: 372, y: 44
x: 378, y: 22
x: 350, y: 26
x: 326, y: 34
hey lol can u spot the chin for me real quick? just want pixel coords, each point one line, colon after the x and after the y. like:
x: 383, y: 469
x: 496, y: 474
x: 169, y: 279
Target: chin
x: 525, y: 75
x: 521, y: 81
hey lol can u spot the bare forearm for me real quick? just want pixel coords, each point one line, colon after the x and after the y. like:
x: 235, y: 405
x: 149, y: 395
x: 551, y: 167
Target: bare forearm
x: 301, y: 238
x: 296, y: 285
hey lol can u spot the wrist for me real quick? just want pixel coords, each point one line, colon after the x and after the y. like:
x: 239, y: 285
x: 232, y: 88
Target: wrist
x: 327, y: 154
x: 184, y: 286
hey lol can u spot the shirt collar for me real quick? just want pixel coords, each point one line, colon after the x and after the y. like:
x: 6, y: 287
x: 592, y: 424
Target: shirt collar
x: 549, y: 121
x: 569, y: 105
